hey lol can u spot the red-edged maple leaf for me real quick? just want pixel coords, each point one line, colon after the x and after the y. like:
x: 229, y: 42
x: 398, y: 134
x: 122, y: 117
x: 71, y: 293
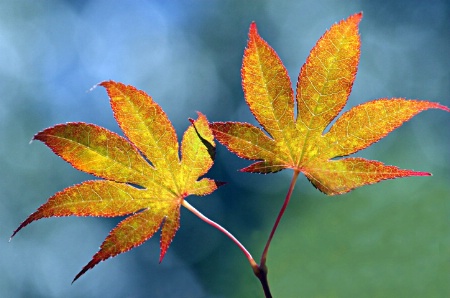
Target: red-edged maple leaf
x: 323, y: 87
x: 163, y: 184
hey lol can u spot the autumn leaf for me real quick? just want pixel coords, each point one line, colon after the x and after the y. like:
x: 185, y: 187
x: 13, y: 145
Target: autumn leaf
x: 323, y: 87
x: 150, y: 193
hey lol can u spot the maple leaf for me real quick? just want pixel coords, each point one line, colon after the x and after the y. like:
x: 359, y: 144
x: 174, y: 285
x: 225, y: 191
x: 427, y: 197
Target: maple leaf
x: 162, y: 185
x: 323, y: 87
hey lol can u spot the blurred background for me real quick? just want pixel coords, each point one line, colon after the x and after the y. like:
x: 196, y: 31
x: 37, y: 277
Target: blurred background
x: 391, y: 239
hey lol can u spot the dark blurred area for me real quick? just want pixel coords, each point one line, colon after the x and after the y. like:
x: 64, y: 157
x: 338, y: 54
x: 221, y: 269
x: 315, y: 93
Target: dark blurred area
x: 391, y: 239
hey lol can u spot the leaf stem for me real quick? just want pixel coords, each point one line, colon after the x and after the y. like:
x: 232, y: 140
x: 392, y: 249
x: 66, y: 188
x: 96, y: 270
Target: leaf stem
x: 223, y: 230
x: 259, y: 270
x: 262, y: 264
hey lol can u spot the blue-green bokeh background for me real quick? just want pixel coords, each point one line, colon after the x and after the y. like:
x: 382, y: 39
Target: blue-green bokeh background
x: 387, y: 240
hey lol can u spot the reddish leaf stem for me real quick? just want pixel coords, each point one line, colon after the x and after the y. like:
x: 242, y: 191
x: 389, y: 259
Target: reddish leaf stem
x: 223, y: 230
x: 277, y: 221
x: 262, y: 275
x: 260, y: 272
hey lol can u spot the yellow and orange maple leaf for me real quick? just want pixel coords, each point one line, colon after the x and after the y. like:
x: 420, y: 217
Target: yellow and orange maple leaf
x: 150, y: 193
x: 323, y: 87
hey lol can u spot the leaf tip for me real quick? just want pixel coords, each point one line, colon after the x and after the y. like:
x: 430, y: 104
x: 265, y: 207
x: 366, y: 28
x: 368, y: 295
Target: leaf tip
x: 442, y: 107
x: 220, y: 183
x: 13, y: 234
x: 26, y: 222
x: 36, y: 137
x: 109, y: 86
x: 414, y: 173
x: 253, y: 31
x: 353, y: 20
x: 78, y: 276
x: 90, y: 265
x: 161, y: 256
x: 106, y: 84
x: 41, y: 136
x: 356, y: 18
